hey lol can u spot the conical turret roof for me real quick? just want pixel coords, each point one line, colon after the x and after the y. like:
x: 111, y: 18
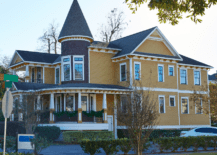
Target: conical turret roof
x: 75, y: 23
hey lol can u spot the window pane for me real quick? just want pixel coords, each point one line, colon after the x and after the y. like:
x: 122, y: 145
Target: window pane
x: 184, y: 106
x: 137, y: 71
x: 183, y: 76
x: 69, y: 103
x: 66, y: 72
x: 78, y: 59
x: 65, y: 59
x: 123, y: 72
x: 172, y: 101
x: 161, y: 105
x: 197, y: 78
x: 84, y: 103
x: 57, y: 75
x: 123, y: 104
x: 79, y: 71
x: 170, y: 71
x: 33, y: 74
x: 160, y: 73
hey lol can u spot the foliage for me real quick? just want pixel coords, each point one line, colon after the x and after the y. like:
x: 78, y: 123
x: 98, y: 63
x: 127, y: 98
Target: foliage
x: 39, y: 143
x: 10, y: 143
x: 109, y: 146
x: 69, y: 114
x: 94, y: 113
x: 49, y: 132
x: 124, y: 145
x: 172, y: 11
x: 3, y: 70
x: 12, y: 128
x: 90, y: 147
x: 77, y: 136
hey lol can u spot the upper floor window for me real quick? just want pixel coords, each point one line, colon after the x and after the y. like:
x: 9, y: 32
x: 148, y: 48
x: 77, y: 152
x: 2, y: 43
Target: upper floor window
x: 161, y: 104
x: 123, y: 72
x: 66, y: 69
x: 183, y: 74
x: 137, y: 70
x: 196, y: 77
x: 160, y: 73
x: 171, y: 70
x: 185, y: 105
x: 78, y: 68
x: 57, y: 75
x: 198, y: 107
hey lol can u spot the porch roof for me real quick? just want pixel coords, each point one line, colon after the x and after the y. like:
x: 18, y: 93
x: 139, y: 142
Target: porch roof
x: 24, y: 86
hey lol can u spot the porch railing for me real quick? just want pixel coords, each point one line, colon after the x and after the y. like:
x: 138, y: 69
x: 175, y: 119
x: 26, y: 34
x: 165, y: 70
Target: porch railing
x: 39, y: 80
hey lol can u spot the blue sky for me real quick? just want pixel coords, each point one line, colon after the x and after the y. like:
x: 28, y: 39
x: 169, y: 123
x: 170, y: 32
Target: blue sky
x: 23, y: 22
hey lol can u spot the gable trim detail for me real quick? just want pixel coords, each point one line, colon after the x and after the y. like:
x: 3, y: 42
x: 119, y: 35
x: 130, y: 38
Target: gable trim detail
x: 14, y: 57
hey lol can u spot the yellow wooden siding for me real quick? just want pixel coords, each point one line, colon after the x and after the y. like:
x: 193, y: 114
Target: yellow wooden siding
x: 149, y: 74
x: 155, y: 47
x: 101, y: 68
x: 192, y: 118
x: 49, y: 75
x: 190, y: 80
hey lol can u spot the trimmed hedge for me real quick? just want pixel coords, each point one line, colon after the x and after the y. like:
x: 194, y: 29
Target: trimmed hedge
x: 77, y: 136
x: 12, y: 128
x: 49, y: 132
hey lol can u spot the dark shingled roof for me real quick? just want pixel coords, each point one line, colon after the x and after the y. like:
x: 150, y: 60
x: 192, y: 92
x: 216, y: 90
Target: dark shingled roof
x: 104, y: 44
x: 213, y: 76
x: 129, y: 43
x: 37, y: 86
x: 75, y: 23
x: 57, y: 60
x: 191, y: 61
x: 38, y: 56
x: 156, y: 55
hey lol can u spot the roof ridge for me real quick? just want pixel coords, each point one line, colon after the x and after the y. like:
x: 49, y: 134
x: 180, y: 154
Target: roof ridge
x: 134, y: 34
x: 193, y: 59
x: 36, y: 52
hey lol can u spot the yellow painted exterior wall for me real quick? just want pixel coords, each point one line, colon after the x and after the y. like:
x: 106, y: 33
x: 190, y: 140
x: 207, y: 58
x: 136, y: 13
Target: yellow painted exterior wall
x: 155, y: 47
x: 49, y: 75
x: 192, y: 118
x: 190, y: 80
x: 101, y: 68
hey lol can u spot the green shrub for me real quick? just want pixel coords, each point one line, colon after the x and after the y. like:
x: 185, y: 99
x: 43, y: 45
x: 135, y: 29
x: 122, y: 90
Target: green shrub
x: 124, y: 145
x: 186, y: 142
x: 109, y: 146
x: 49, y: 132
x: 77, y: 136
x: 10, y: 143
x: 90, y: 147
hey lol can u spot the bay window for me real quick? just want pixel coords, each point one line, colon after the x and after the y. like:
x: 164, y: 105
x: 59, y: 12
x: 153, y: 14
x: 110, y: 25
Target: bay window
x: 66, y: 68
x: 78, y: 68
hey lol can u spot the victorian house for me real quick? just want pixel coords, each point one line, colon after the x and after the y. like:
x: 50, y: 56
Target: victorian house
x: 91, y: 75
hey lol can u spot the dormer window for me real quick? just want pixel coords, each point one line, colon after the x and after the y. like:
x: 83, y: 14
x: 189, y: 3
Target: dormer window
x: 78, y: 68
x: 66, y: 69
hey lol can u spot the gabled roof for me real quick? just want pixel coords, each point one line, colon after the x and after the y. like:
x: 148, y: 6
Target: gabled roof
x: 191, y: 61
x: 129, y: 43
x: 213, y: 76
x: 24, y: 86
x: 75, y: 23
x: 38, y: 56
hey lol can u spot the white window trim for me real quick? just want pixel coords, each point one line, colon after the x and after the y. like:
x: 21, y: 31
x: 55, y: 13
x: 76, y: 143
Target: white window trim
x: 94, y: 101
x: 171, y: 96
x: 201, y: 107
x: 158, y: 72
x: 55, y: 74
x: 87, y: 110
x: 164, y: 103
x: 200, y: 77
x: 137, y: 63
x: 181, y: 104
x: 73, y: 100
x: 169, y: 70
x: 80, y: 62
x: 121, y: 64
x: 186, y: 75
x: 59, y: 95
x: 64, y: 63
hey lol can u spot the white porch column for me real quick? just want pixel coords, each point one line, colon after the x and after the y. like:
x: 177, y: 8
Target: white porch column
x: 27, y: 74
x: 79, y: 108
x: 115, y: 115
x: 43, y: 75
x: 51, y: 107
x: 64, y: 102
x: 104, y: 107
x: 38, y: 102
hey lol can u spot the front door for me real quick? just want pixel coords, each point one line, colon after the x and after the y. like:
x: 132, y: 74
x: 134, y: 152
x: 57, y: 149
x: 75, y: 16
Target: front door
x: 110, y: 122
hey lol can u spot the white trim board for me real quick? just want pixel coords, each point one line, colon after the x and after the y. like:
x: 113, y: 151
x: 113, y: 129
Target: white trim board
x: 171, y: 126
